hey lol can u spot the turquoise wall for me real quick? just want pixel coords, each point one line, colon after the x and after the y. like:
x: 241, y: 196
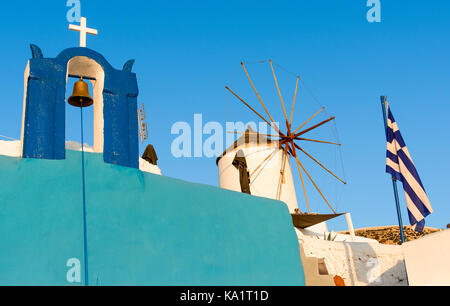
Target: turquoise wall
x: 142, y: 229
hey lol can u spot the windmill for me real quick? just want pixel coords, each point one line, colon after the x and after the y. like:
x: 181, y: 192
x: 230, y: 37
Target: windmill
x: 290, y: 142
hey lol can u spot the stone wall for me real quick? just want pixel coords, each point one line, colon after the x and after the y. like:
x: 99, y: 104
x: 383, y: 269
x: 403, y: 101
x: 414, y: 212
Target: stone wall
x: 391, y: 234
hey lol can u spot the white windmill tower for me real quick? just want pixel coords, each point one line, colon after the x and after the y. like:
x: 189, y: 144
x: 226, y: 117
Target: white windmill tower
x: 265, y: 160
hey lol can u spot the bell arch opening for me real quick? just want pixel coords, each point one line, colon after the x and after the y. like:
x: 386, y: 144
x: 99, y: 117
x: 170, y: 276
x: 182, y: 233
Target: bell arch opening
x: 89, y: 68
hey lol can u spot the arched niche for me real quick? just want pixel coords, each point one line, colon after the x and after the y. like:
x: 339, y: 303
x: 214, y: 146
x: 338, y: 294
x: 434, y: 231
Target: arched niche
x: 115, y: 106
x: 86, y: 67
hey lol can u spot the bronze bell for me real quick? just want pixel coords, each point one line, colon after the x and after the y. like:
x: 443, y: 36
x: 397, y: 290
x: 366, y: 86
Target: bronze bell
x: 80, y: 96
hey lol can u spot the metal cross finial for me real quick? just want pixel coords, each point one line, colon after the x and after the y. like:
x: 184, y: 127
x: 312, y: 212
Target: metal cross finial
x: 83, y: 29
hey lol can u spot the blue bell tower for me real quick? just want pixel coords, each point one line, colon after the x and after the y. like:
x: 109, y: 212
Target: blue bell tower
x: 115, y: 106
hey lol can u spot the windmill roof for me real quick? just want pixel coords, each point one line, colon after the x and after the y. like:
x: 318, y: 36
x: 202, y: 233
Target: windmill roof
x: 249, y: 137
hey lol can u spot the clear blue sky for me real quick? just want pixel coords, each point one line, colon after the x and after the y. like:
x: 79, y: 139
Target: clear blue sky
x: 186, y: 51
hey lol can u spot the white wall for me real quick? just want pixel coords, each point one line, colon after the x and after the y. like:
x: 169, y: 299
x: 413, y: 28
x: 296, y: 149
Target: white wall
x: 422, y: 262
x: 26, y: 76
x: 359, y: 264
x: 428, y: 260
x: 11, y: 148
x: 14, y: 149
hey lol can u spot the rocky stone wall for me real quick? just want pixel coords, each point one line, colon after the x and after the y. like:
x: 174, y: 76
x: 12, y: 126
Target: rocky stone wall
x: 391, y: 234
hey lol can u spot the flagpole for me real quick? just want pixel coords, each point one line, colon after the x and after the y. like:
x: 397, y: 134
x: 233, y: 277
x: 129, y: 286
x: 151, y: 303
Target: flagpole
x: 394, y: 180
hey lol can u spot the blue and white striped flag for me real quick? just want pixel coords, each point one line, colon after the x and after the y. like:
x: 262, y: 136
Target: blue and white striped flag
x: 400, y: 165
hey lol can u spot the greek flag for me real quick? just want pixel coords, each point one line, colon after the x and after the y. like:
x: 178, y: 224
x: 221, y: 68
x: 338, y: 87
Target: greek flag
x: 400, y: 165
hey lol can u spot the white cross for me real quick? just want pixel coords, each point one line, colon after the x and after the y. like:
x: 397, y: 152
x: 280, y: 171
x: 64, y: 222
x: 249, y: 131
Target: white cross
x: 83, y: 31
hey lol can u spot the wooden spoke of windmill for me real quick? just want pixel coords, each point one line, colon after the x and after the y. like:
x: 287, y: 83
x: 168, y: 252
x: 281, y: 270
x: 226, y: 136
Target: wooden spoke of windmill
x: 274, y: 126
x: 317, y: 162
x: 315, y: 185
x: 287, y: 140
x: 293, y: 103
x: 312, y: 117
x: 279, y: 93
x: 263, y: 162
x: 319, y: 141
x: 303, y: 182
x: 256, y: 92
